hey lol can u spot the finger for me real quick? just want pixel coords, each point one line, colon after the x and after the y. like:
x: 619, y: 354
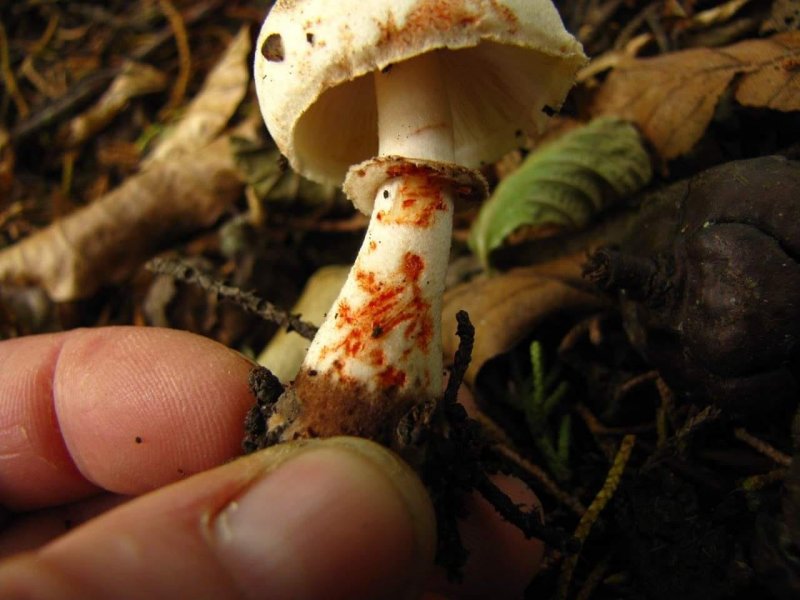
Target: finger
x: 34, y: 459
x: 124, y: 409
x: 338, y: 518
x: 30, y: 531
x: 501, y: 561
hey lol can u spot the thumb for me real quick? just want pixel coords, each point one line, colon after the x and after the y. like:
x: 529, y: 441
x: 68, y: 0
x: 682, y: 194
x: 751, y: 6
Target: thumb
x: 336, y: 518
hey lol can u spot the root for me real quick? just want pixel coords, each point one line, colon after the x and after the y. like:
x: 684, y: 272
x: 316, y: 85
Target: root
x: 452, y: 453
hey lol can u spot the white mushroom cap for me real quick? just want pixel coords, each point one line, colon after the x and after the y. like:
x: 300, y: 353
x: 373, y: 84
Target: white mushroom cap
x: 505, y: 61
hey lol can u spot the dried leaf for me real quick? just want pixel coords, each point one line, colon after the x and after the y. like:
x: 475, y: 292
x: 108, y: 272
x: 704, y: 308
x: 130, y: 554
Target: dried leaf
x: 209, y: 111
x: 508, y: 307
x: 273, y: 180
x: 776, y: 84
x: 565, y: 183
x: 784, y: 16
x: 672, y: 97
x: 135, y: 79
x: 105, y: 241
x: 26, y: 311
x: 286, y: 351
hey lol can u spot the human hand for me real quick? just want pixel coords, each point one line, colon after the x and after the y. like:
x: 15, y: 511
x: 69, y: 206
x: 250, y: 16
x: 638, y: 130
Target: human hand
x: 137, y: 420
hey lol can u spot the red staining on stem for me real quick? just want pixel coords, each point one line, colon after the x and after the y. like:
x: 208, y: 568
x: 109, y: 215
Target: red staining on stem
x: 413, y: 265
x: 420, y: 197
x: 376, y: 357
x: 391, y: 377
x: 392, y: 304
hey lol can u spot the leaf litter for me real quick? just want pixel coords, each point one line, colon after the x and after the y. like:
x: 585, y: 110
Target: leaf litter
x: 708, y: 508
x: 673, y: 97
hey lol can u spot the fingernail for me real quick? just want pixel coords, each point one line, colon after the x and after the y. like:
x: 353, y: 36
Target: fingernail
x: 335, y: 518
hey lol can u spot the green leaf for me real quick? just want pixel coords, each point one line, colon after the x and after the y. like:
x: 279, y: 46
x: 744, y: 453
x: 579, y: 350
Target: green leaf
x: 566, y: 183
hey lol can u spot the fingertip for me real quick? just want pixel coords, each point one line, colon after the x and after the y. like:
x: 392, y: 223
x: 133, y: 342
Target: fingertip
x: 307, y: 520
x: 502, y: 560
x: 141, y: 407
x: 127, y: 409
x: 37, y: 467
x: 355, y: 522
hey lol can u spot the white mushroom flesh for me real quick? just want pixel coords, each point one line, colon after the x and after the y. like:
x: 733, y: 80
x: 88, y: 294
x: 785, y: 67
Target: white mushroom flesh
x: 384, y: 329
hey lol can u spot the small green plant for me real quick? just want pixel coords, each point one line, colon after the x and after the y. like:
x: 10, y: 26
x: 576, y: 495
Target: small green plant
x: 538, y: 398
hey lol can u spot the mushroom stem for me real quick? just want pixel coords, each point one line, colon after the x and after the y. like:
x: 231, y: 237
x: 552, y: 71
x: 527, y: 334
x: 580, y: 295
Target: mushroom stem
x: 384, y: 328
x: 414, y: 116
x: 379, y: 350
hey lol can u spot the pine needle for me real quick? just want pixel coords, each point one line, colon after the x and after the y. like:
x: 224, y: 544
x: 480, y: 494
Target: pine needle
x: 592, y: 513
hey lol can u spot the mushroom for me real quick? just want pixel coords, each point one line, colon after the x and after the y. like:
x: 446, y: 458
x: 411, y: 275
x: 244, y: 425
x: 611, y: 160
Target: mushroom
x: 401, y: 99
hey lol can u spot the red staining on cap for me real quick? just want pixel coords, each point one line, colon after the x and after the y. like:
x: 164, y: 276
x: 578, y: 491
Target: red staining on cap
x: 426, y: 18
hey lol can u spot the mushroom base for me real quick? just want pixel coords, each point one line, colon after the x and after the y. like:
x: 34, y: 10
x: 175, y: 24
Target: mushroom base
x: 451, y: 452
x: 318, y: 406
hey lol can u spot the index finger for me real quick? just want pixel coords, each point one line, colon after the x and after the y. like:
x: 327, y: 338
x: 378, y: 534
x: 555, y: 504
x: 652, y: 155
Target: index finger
x: 125, y: 409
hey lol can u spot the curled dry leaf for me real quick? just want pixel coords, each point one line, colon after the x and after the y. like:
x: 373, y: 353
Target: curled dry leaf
x: 672, y: 97
x: 105, y: 241
x: 784, y: 16
x: 188, y: 184
x: 215, y: 104
x: 135, y: 79
x: 271, y: 179
x: 506, y: 308
x: 285, y: 352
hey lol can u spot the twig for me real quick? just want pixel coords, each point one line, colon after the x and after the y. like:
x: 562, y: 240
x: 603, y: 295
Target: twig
x: 628, y: 31
x: 8, y: 75
x: 246, y: 300
x: 633, y: 383
x: 593, y: 579
x: 573, y: 336
x: 666, y: 411
x: 90, y: 86
x: 597, y: 20
x: 466, y: 336
x: 78, y: 95
x: 530, y: 522
x: 763, y: 447
x: 708, y: 415
x: 595, y: 508
x: 762, y: 480
x: 692, y: 425
x: 601, y: 433
x: 600, y: 429
x: 535, y: 477
x: 178, y: 27
x: 40, y: 44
